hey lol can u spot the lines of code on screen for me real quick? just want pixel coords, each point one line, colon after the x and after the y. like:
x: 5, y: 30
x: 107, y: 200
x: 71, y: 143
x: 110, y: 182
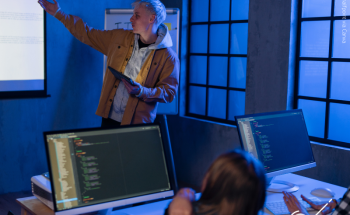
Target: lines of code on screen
x: 280, y: 141
x: 117, y: 166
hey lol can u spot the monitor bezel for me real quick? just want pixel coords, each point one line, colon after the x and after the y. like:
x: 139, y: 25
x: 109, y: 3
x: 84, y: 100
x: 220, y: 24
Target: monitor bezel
x: 97, y: 206
x: 289, y: 169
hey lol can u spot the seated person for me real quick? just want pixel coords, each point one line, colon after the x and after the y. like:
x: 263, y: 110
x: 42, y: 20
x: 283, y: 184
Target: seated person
x: 342, y: 206
x: 234, y: 184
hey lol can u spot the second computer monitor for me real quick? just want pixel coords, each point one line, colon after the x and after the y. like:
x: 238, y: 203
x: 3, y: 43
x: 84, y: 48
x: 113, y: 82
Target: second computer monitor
x: 278, y: 139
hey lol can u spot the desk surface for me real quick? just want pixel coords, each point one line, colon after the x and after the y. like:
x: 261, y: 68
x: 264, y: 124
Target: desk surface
x: 157, y: 208
x: 306, y: 185
x: 33, y: 206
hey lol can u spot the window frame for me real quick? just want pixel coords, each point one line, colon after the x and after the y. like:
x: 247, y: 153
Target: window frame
x: 207, y: 54
x: 328, y: 59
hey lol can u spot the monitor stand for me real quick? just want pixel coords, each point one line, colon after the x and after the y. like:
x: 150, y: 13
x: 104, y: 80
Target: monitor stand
x: 291, y: 187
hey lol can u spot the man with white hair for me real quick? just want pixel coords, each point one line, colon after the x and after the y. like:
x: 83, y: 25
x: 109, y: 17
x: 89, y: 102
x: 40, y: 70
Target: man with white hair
x: 143, y: 54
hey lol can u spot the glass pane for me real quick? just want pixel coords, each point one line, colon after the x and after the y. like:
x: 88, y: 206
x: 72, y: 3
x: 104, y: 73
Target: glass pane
x: 220, y: 10
x: 199, y: 39
x: 314, y: 114
x: 314, y: 40
x: 339, y: 117
x: 340, y: 81
x: 198, y: 69
x: 316, y: 8
x: 341, y: 46
x: 238, y: 70
x: 197, y: 100
x: 218, y: 71
x: 239, y: 38
x: 217, y: 103
x: 313, y: 78
x: 199, y: 10
x: 341, y: 8
x: 240, y: 10
x: 218, y: 39
x: 236, y: 104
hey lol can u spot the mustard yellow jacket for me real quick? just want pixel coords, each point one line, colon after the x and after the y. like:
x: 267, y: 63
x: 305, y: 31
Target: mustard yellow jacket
x: 159, y: 74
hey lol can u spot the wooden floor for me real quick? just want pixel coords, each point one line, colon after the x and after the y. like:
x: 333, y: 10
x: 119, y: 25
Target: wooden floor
x: 8, y: 202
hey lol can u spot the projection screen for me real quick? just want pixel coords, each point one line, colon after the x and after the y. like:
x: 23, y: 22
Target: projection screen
x: 22, y: 49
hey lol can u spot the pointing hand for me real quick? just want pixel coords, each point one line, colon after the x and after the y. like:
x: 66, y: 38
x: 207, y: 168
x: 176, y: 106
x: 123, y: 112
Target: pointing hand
x: 49, y: 7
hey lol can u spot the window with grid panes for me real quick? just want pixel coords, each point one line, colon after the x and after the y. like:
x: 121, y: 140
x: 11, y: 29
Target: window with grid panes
x: 217, y: 57
x: 322, y: 86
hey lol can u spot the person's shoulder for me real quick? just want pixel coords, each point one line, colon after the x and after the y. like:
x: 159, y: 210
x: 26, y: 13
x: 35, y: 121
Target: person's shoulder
x: 169, y: 53
x: 119, y: 33
x: 122, y: 31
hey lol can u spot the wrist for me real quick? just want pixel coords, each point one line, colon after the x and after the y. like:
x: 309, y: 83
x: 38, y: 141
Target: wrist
x: 326, y: 210
x: 140, y: 93
x: 58, y: 9
x: 295, y: 212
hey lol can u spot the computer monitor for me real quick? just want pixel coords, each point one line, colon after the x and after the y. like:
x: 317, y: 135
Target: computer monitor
x: 100, y: 169
x: 279, y: 140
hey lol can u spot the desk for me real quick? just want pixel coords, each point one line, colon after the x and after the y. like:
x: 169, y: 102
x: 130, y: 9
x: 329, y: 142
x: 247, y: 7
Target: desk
x: 33, y: 206
x: 305, y: 186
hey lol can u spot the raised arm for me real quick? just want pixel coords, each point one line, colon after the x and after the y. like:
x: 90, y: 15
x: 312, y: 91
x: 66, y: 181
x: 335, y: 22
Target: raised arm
x: 97, y: 39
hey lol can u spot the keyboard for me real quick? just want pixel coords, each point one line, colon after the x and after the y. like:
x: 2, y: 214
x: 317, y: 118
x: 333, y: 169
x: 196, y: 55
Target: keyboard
x: 280, y: 207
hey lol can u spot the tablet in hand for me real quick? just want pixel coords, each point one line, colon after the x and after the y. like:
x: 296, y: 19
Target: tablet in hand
x: 121, y: 76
